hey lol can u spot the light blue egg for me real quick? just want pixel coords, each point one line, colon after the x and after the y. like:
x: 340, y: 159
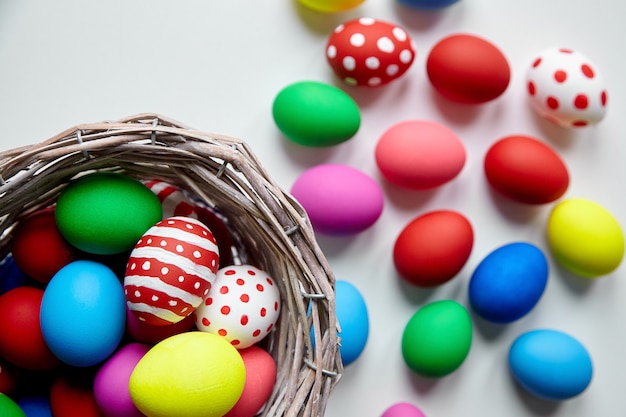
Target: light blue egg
x: 83, y: 313
x: 353, y: 319
x: 550, y: 364
x: 508, y: 283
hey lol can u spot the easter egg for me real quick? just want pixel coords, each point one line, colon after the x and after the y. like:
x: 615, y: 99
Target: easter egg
x: 21, y: 340
x: 8, y: 407
x: 437, y: 338
x: 427, y: 5
x: 140, y: 331
x: 508, y: 283
x: 193, y: 374
x: 585, y: 237
x: 11, y: 276
x: 175, y: 202
x: 8, y: 377
x: 83, y: 313
x: 260, y: 380
x: 315, y: 114
x: 71, y: 395
x: 467, y: 69
x: 339, y: 200
x: 106, y: 213
x: 419, y: 154
x: 550, y: 364
x: 38, y: 247
x: 565, y: 87
x: 110, y: 386
x: 331, y: 6
x: 35, y: 406
x: 242, y: 307
x: 170, y: 270
x: 353, y: 319
x: 432, y: 248
x: 403, y: 409
x: 526, y: 170
x: 369, y: 52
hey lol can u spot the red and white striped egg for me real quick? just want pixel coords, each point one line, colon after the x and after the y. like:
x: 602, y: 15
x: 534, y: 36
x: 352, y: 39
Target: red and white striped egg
x: 566, y: 88
x: 243, y: 306
x: 170, y: 270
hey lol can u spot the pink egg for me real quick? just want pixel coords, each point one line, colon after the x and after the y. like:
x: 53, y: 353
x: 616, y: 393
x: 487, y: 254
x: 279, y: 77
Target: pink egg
x: 403, y: 410
x: 419, y: 154
x: 110, y: 385
x: 566, y: 88
x: 339, y: 200
x: 243, y: 306
x: 170, y: 270
x: 260, y: 380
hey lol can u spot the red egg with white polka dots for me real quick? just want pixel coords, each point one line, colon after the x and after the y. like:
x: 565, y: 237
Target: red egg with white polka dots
x: 170, y: 270
x: 243, y: 306
x: 369, y: 52
x: 566, y: 88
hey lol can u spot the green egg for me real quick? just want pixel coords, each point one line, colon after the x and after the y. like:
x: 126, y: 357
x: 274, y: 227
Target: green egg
x: 9, y: 408
x: 106, y: 213
x: 315, y: 114
x: 437, y: 338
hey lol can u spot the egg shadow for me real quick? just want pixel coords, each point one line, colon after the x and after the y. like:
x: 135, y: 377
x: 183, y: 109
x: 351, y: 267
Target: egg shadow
x: 514, y: 211
x: 577, y: 285
x: 419, y: 383
x: 414, y: 294
x: 558, y: 136
x: 366, y: 96
x: 455, y: 113
x: 534, y: 404
x: 334, y: 246
x: 488, y: 330
x: 405, y: 199
x: 305, y: 156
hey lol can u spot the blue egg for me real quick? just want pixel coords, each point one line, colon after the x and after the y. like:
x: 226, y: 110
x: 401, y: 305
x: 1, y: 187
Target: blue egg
x: 11, y: 276
x: 427, y: 4
x: 507, y: 284
x: 83, y: 313
x: 35, y: 406
x: 550, y: 364
x: 353, y: 319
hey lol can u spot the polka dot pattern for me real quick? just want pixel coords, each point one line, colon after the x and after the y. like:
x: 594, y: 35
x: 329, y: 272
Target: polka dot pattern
x: 565, y: 88
x: 243, y: 306
x: 369, y: 52
x: 170, y: 270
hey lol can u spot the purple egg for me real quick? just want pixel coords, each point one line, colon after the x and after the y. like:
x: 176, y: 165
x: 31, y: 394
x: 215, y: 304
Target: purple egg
x: 339, y: 200
x: 110, y: 386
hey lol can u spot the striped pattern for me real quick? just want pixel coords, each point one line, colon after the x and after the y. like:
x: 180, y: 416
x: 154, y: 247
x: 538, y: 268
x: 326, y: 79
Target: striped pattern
x: 170, y: 270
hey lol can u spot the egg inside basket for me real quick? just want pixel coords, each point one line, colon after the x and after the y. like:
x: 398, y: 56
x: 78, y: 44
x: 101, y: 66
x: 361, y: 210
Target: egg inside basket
x: 222, y: 172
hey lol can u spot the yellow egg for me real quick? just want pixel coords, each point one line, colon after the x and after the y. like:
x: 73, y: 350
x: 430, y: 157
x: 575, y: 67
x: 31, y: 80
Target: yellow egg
x: 193, y: 374
x: 331, y: 6
x: 585, y: 237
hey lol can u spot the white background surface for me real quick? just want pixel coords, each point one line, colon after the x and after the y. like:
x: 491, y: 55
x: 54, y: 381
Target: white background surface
x: 217, y: 66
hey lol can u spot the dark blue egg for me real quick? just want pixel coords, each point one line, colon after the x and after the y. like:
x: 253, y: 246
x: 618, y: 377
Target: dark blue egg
x: 507, y: 284
x: 427, y: 4
x: 550, y: 364
x: 35, y: 406
x: 11, y: 276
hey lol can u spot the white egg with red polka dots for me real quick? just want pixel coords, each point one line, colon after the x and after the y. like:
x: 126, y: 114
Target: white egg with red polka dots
x: 243, y: 306
x: 566, y: 88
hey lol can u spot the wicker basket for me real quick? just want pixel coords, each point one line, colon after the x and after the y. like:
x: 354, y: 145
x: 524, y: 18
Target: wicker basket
x: 223, y: 172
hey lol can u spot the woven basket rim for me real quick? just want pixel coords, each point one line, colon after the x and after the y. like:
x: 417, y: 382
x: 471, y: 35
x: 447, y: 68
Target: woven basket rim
x: 224, y: 172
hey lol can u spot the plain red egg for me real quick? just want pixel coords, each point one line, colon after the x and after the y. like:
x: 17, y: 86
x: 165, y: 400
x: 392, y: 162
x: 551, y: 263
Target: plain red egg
x: 145, y: 333
x: 468, y: 69
x: 8, y: 378
x: 433, y: 248
x: 260, y: 380
x: 526, y: 170
x: 21, y: 340
x: 72, y: 396
x: 38, y: 248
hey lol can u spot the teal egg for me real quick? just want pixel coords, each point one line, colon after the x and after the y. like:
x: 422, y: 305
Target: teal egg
x: 106, y: 213
x: 315, y: 114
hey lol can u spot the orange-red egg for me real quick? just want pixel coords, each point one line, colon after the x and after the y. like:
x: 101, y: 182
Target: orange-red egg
x: 433, y: 248
x: 468, y: 69
x: 526, y: 170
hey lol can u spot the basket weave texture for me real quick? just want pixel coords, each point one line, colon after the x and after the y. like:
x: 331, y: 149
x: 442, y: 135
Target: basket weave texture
x: 222, y: 172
